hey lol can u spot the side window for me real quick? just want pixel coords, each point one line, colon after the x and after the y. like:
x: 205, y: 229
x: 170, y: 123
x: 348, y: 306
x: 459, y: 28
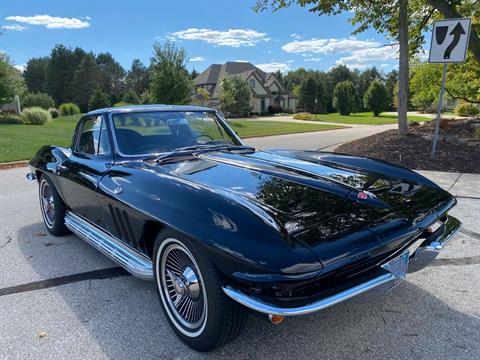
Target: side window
x: 103, y: 144
x: 91, y: 140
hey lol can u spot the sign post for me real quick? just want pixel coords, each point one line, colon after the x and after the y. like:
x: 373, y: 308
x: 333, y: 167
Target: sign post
x: 449, y: 45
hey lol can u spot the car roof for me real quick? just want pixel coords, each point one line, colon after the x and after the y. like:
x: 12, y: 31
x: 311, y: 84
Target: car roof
x: 154, y: 107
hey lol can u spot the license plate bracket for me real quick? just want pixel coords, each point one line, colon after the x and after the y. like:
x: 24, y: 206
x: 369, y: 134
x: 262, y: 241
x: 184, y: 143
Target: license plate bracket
x: 398, y: 267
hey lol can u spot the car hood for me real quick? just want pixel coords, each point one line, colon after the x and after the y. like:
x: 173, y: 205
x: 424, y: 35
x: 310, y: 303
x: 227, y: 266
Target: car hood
x: 344, y: 208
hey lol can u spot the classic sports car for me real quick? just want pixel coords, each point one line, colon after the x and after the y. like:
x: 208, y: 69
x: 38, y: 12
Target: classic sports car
x: 173, y: 195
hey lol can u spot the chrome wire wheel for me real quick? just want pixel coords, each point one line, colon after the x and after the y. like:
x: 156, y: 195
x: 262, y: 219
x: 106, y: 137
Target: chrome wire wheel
x: 47, y: 203
x: 181, y: 287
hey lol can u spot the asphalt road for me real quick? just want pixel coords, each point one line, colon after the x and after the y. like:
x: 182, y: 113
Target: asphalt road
x: 93, y: 313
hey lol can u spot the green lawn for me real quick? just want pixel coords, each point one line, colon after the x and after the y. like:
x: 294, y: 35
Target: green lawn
x: 20, y: 142
x: 365, y: 118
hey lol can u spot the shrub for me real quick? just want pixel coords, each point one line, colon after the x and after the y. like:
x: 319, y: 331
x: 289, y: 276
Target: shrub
x: 10, y: 119
x: 376, y: 98
x: 69, y: 109
x: 98, y: 100
x: 274, y: 109
x: 466, y: 109
x: 121, y: 103
x: 41, y: 100
x: 35, y: 115
x: 303, y: 116
x: 344, y: 96
x: 54, y: 113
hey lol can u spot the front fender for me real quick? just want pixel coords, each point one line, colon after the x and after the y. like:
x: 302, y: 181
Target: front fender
x: 237, y: 238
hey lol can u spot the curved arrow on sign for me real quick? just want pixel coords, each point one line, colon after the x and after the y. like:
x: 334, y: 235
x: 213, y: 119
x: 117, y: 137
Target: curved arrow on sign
x: 457, y: 32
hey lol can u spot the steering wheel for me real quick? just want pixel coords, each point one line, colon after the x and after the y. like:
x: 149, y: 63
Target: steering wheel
x: 203, y: 136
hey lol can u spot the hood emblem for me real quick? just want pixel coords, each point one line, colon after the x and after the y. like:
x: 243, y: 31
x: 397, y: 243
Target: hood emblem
x: 363, y: 195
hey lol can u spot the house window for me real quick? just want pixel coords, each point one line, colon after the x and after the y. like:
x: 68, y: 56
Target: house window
x: 262, y: 105
x: 252, y: 83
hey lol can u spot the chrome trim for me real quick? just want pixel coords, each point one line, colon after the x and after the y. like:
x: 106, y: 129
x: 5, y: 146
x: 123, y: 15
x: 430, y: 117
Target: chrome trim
x: 130, y: 259
x: 426, y: 253
x: 265, y: 308
x: 421, y: 258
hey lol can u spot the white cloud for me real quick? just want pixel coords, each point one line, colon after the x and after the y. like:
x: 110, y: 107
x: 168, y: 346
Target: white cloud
x: 231, y: 37
x: 366, y: 57
x: 51, y: 22
x: 295, y: 36
x: 313, y: 59
x: 328, y: 46
x: 14, y: 27
x: 21, y: 68
x: 88, y: 18
x: 197, y: 58
x: 273, y: 66
x: 245, y: 61
x: 290, y: 61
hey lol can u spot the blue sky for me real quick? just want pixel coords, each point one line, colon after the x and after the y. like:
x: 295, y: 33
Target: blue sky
x: 211, y: 31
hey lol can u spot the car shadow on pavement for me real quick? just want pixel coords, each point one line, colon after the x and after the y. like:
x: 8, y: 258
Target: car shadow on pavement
x: 121, y: 318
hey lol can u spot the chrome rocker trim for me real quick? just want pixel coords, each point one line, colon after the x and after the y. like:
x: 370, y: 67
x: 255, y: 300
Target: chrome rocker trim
x: 131, y: 260
x: 423, y: 256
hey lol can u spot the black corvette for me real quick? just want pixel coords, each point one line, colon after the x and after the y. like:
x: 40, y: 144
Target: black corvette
x: 173, y: 195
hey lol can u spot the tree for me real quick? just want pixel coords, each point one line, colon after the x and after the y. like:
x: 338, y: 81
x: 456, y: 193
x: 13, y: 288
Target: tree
x: 137, y: 77
x: 111, y: 76
x: 194, y: 74
x: 392, y: 18
x: 235, y: 96
x: 130, y: 97
x: 85, y: 80
x: 375, y: 98
x: 60, y: 73
x: 308, y: 94
x: 202, y: 96
x: 391, y: 80
x: 11, y: 81
x: 365, y: 78
x: 35, y: 74
x: 170, y: 81
x: 41, y: 100
x: 344, y: 97
x: 98, y: 100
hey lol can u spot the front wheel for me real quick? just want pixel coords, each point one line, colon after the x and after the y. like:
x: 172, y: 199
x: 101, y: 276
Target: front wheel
x: 191, y: 294
x: 52, y: 207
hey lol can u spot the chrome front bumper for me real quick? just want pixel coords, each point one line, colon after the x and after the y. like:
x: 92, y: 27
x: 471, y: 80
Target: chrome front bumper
x: 419, y: 258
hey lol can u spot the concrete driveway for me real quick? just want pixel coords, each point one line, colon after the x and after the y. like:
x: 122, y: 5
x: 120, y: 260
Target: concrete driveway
x: 60, y: 298
x: 320, y: 140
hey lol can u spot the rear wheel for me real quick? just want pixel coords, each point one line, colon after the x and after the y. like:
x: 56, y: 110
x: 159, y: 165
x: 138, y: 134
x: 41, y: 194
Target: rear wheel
x: 191, y: 294
x: 52, y: 207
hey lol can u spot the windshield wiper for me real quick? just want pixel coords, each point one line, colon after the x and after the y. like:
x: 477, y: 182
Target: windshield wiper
x: 199, y: 149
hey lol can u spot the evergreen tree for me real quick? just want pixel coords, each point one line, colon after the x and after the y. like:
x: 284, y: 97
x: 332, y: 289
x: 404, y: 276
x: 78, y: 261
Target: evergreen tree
x: 35, y: 74
x: 344, y: 97
x: 376, y: 98
x: 98, y: 100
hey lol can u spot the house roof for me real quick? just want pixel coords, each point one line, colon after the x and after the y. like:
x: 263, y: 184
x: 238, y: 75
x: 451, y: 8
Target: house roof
x: 214, y: 74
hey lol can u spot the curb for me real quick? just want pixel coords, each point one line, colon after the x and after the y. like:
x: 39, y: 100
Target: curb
x: 12, y: 165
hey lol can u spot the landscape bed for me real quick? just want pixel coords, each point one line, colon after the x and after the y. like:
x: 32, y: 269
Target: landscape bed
x: 454, y: 154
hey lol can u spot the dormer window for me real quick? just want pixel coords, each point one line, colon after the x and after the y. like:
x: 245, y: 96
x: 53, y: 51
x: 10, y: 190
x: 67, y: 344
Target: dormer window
x: 252, y: 83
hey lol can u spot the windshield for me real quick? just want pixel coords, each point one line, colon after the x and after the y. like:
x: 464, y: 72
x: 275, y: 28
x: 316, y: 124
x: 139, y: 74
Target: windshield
x: 155, y: 132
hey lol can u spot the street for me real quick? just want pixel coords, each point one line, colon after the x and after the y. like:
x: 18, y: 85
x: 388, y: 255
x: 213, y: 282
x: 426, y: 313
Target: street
x: 90, y: 309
